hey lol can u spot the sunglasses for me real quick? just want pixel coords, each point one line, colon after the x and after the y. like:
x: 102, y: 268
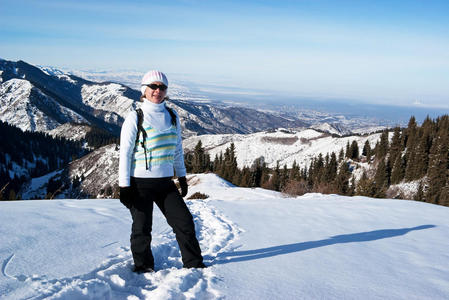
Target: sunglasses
x: 154, y: 86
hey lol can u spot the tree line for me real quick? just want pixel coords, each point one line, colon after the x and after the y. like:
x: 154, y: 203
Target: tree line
x: 418, y: 154
x: 24, y: 155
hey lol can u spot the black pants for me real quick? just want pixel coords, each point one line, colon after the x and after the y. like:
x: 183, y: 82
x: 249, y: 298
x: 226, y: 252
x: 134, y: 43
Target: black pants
x: 164, y: 193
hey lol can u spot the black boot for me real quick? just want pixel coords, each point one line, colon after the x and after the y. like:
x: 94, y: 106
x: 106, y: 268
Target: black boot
x: 142, y: 269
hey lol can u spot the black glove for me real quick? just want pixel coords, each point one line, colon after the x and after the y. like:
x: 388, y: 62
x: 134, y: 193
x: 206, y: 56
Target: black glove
x: 183, y: 185
x: 126, y: 196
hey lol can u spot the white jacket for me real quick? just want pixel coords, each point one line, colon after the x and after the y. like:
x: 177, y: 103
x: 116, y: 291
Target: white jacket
x: 163, y: 144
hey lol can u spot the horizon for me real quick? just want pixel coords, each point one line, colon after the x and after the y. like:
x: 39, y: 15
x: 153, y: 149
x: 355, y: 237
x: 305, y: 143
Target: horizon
x: 379, y: 53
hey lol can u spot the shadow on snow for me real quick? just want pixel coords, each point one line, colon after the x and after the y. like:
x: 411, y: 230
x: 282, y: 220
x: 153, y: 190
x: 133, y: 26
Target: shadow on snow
x: 238, y: 256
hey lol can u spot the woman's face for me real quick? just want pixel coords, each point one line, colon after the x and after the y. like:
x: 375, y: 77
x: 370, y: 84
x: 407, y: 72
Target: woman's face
x: 156, y: 96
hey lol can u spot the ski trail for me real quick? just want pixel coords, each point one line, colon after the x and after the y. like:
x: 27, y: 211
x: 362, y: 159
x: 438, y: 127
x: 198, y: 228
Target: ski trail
x: 113, y: 279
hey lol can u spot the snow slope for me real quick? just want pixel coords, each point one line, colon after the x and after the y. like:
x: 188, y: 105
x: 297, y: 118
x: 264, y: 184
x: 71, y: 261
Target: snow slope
x: 283, y: 146
x: 258, y: 245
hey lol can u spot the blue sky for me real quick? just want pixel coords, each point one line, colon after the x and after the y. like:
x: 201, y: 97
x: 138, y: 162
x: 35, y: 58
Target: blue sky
x: 390, y: 52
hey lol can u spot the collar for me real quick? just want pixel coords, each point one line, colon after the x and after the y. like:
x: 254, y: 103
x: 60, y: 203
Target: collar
x: 150, y: 106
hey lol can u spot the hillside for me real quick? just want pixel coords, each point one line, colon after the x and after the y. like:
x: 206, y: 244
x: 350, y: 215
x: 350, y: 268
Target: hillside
x: 42, y: 99
x: 283, y: 146
x: 257, y: 244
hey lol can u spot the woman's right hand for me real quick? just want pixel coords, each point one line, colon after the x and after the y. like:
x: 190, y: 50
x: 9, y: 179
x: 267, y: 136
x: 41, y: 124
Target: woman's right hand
x: 126, y: 196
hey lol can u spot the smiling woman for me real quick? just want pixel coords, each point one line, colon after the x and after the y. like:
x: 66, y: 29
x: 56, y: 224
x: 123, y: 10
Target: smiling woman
x: 150, y: 152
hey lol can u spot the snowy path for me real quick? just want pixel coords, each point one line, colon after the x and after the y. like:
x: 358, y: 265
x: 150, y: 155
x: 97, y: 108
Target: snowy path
x: 113, y: 279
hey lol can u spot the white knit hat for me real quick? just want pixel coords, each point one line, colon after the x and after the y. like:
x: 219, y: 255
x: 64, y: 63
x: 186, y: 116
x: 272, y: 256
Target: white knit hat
x: 150, y: 77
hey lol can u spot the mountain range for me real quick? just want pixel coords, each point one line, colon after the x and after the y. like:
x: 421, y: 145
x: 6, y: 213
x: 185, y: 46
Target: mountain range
x: 38, y: 100
x: 65, y: 105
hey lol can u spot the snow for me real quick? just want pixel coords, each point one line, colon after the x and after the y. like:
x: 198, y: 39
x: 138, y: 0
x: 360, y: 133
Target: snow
x: 278, y: 146
x: 37, y: 187
x: 258, y: 244
x: 18, y: 109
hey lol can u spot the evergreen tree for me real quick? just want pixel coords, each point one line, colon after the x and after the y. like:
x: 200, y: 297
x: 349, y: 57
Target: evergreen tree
x: 284, y: 178
x: 367, y: 150
x: 331, y: 169
x: 382, y: 147
x: 342, y: 180
x: 410, y: 138
x: 354, y: 150
x: 365, y: 186
x: 341, y: 155
x: 200, y: 159
x: 348, y: 150
x: 258, y: 173
x: 276, y: 178
x: 438, y: 169
x: 398, y: 170
x: 245, y: 179
x: 294, y: 172
x: 216, y: 164
x: 396, y: 144
x: 381, y: 179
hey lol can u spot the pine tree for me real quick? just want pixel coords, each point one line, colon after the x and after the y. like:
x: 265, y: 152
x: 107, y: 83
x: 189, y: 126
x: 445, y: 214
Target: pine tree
x: 200, y: 159
x: 396, y: 144
x: 284, y: 178
x: 245, y: 179
x: 382, y: 147
x: 354, y: 150
x: 381, y: 179
x: 367, y: 150
x: 348, y: 150
x: 410, y: 138
x: 438, y: 168
x: 342, y: 180
x: 365, y: 186
x: 341, y: 155
x: 294, y: 172
x: 398, y: 170
x: 318, y: 170
x: 331, y: 169
x: 276, y: 178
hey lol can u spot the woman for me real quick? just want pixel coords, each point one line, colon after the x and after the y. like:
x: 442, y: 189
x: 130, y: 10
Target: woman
x: 146, y: 167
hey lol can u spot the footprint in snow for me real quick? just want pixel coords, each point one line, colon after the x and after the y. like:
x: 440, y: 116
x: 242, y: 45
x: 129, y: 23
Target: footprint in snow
x: 114, y: 277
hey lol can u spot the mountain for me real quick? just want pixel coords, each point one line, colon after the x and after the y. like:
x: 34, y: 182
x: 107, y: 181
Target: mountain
x: 278, y: 146
x: 35, y: 100
x: 215, y: 118
x: 94, y: 175
x: 97, y: 172
x: 332, y: 128
x: 42, y: 99
x: 258, y: 244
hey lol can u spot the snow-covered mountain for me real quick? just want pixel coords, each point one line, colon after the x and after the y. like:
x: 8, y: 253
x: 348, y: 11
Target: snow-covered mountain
x: 27, y: 107
x: 41, y: 99
x: 257, y: 244
x: 332, y: 128
x: 73, y: 131
x: 283, y: 146
x: 94, y: 175
x: 98, y: 169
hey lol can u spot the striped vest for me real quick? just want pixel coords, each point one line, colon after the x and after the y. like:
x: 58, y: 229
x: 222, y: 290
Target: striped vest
x: 160, y: 147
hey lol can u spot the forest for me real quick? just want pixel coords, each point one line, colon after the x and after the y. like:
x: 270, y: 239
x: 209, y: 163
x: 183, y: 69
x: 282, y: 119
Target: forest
x: 412, y: 154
